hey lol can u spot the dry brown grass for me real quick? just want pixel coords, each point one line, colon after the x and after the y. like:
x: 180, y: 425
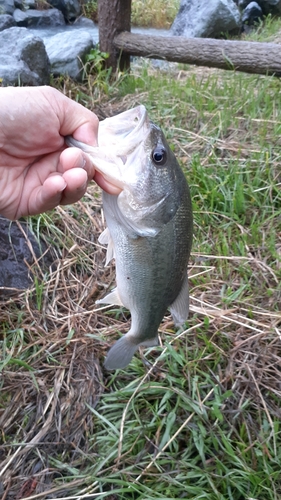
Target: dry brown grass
x: 47, y: 410
x: 45, y: 407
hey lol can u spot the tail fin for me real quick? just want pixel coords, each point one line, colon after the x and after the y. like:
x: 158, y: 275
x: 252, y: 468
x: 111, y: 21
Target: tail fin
x: 120, y: 354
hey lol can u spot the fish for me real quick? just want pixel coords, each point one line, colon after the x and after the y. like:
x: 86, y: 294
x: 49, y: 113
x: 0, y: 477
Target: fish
x: 149, y: 227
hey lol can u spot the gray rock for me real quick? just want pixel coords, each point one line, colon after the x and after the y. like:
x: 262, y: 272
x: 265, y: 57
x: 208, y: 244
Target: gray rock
x: 242, y: 4
x: 201, y: 18
x: 66, y: 50
x: 84, y: 22
x: 6, y: 21
x: 14, y: 251
x: 23, y: 58
x: 252, y: 14
x: 7, y: 7
x: 71, y: 9
x: 267, y: 6
x: 25, y: 4
x: 31, y: 17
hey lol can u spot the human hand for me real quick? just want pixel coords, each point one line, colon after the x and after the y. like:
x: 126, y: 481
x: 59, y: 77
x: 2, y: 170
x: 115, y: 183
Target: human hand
x: 37, y: 170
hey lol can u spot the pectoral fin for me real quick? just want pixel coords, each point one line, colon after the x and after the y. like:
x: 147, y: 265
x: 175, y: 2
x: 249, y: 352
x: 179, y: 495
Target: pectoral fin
x: 119, y: 209
x: 180, y: 306
x: 105, y: 239
x: 112, y: 298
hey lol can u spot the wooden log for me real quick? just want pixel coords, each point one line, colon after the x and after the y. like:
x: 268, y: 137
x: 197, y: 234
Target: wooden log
x: 114, y: 17
x: 250, y: 57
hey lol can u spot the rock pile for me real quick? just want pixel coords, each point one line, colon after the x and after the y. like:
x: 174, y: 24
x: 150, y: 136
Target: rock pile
x: 25, y: 58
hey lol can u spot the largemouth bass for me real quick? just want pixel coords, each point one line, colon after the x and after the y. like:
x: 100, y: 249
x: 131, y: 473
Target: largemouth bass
x: 149, y: 229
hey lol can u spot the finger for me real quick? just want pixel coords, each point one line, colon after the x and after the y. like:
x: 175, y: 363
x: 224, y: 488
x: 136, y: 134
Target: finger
x: 88, y: 132
x: 58, y: 190
x: 76, y: 185
x: 75, y: 158
x: 47, y: 196
x: 105, y: 185
x: 74, y: 118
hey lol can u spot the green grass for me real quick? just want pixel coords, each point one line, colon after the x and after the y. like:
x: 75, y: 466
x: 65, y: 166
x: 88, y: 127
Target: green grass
x: 266, y: 30
x: 201, y: 420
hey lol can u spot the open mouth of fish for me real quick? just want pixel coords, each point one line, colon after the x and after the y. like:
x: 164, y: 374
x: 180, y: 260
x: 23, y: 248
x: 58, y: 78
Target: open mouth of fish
x: 121, y: 141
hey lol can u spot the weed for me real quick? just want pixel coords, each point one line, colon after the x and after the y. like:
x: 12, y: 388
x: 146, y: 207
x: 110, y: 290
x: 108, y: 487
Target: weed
x: 90, y: 9
x: 156, y: 13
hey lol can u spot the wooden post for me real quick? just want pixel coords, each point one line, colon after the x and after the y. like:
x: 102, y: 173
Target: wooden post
x: 114, y: 16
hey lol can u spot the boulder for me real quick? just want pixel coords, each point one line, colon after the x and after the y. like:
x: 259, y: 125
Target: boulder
x: 23, y: 58
x: 84, y: 22
x: 71, y: 9
x: 66, y: 52
x: 252, y: 14
x: 198, y: 18
x: 14, y: 251
x: 7, y: 7
x: 32, y: 18
x: 267, y: 6
x: 6, y: 21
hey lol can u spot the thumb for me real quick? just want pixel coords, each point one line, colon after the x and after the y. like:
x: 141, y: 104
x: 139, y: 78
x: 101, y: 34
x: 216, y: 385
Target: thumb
x: 74, y: 118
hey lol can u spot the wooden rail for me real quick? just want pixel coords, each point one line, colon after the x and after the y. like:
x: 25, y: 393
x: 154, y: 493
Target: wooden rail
x: 116, y: 39
x: 250, y: 57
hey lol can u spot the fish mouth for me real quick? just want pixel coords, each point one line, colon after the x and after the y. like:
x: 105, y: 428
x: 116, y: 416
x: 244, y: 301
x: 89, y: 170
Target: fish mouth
x: 125, y: 131
x: 120, y: 138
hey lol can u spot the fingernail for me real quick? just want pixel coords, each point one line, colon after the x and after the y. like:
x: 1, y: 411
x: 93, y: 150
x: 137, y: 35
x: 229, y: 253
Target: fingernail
x: 82, y: 162
x: 62, y: 188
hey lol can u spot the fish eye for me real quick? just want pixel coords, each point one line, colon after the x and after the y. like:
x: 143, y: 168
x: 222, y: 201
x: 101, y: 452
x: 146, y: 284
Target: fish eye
x: 159, y: 156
